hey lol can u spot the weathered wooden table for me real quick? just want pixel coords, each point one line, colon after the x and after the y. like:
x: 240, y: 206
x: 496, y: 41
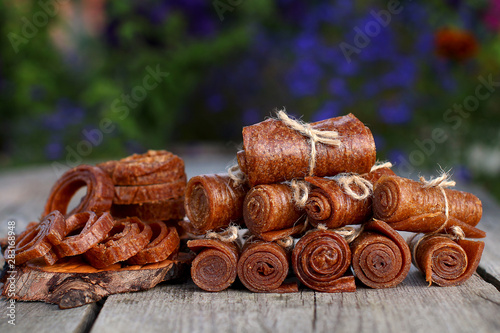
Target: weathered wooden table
x: 410, y: 307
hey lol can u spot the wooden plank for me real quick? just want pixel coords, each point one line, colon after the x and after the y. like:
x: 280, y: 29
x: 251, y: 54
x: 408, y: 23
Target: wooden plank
x: 185, y: 308
x: 489, y: 268
x: 411, y: 307
x: 47, y: 318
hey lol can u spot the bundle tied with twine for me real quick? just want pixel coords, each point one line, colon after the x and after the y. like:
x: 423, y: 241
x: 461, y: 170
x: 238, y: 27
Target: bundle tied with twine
x: 313, y: 135
x: 456, y: 233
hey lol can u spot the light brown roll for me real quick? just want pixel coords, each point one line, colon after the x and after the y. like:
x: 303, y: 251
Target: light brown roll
x: 263, y: 267
x: 320, y: 259
x: 444, y: 261
x: 213, y: 201
x: 273, y: 152
x: 215, y: 265
x: 270, y: 208
x: 330, y: 205
x: 380, y: 256
x: 408, y: 206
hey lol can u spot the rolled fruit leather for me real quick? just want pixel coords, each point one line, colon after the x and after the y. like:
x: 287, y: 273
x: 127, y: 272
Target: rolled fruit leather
x: 214, y: 201
x: 273, y: 152
x: 407, y: 205
x: 215, y: 265
x: 263, y: 267
x: 330, y: 205
x: 444, y: 261
x: 380, y: 256
x: 270, y: 212
x: 320, y: 260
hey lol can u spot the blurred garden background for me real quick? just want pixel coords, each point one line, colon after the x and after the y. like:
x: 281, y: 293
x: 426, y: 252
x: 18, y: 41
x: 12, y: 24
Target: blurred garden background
x: 96, y: 79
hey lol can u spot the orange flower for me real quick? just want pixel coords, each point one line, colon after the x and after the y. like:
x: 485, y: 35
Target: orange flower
x: 455, y: 44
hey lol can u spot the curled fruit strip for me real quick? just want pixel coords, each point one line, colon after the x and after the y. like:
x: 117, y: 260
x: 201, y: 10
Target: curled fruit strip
x: 100, y: 191
x: 125, y: 240
x: 320, y: 258
x: 164, y: 242
x: 214, y: 268
x: 95, y: 229
x: 38, y: 240
x: 263, y: 266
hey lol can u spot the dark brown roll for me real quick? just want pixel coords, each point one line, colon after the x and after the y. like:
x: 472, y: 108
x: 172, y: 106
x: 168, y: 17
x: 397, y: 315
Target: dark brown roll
x: 330, y: 205
x: 444, y: 261
x: 215, y: 265
x: 270, y: 212
x: 273, y: 152
x: 263, y: 267
x: 380, y: 256
x: 409, y: 206
x: 212, y: 202
x: 320, y: 259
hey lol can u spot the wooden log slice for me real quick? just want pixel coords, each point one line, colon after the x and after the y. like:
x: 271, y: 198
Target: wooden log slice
x: 71, y: 282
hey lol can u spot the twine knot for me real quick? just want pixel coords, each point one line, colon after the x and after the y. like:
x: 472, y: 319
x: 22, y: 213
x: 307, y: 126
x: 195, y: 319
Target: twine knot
x: 228, y: 235
x: 236, y: 175
x: 345, y: 180
x: 381, y: 165
x: 286, y: 242
x: 300, y: 192
x: 314, y: 135
x: 349, y: 233
x: 441, y: 182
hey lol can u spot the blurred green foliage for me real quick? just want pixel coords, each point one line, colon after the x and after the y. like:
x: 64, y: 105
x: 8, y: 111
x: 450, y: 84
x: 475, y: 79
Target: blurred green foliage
x: 224, y: 74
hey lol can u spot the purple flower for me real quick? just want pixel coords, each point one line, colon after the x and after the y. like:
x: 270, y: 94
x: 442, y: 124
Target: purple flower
x: 395, y: 113
x: 337, y: 86
x: 304, y: 77
x: 462, y: 173
x: 53, y: 150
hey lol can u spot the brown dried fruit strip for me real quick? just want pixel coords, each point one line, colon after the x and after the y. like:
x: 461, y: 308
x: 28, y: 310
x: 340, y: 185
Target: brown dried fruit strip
x: 164, y: 242
x: 212, y: 202
x: 407, y: 206
x: 95, y: 229
x: 269, y: 208
x: 263, y: 267
x: 328, y: 203
x: 38, y: 240
x: 125, y: 240
x: 172, y: 209
x: 99, y: 191
x: 153, y: 167
x: 320, y: 259
x: 127, y: 195
x: 447, y: 262
x: 274, y: 152
x: 215, y: 265
x: 380, y: 256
